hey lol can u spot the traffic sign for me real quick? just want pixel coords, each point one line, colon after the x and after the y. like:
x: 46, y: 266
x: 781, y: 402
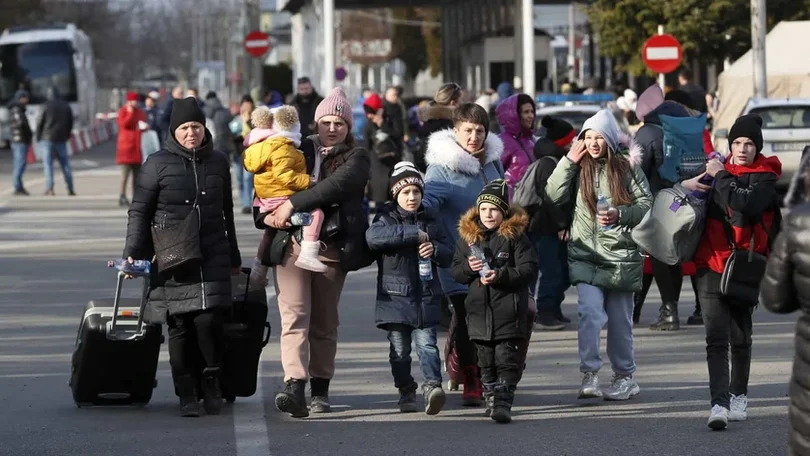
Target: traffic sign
x: 662, y: 53
x: 257, y: 43
x: 340, y: 73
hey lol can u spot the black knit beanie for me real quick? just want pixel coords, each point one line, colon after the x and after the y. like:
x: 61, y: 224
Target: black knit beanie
x: 403, y: 175
x: 185, y: 110
x: 748, y: 126
x: 497, y: 193
x: 558, y: 131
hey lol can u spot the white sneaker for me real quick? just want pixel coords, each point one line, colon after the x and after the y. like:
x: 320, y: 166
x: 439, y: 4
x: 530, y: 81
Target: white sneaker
x: 308, y: 258
x: 718, y: 420
x: 739, y: 408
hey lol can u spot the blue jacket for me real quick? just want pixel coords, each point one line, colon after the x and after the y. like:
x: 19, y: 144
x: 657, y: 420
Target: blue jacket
x: 402, y: 297
x: 452, y: 183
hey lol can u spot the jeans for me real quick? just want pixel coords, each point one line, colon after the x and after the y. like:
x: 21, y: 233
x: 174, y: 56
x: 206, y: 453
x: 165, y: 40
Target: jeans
x: 244, y: 181
x: 195, y: 341
x: 399, y: 355
x: 727, y: 323
x: 58, y: 150
x: 500, y: 361
x: 20, y: 151
x: 596, y: 307
x: 552, y: 254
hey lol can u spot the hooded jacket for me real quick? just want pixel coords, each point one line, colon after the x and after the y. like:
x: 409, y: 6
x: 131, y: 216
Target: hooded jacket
x: 497, y: 311
x: 279, y: 168
x: 651, y: 139
x: 128, y: 150
x: 452, y: 183
x: 786, y: 289
x: 518, y: 142
x: 434, y: 118
x: 745, y: 197
x: 402, y: 296
x: 605, y: 258
x: 165, y: 194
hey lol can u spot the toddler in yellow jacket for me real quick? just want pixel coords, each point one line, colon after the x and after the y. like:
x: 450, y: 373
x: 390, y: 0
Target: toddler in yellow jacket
x: 280, y: 170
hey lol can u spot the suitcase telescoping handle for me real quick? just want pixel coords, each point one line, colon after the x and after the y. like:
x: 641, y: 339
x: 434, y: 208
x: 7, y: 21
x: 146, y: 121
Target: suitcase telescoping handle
x: 114, y: 332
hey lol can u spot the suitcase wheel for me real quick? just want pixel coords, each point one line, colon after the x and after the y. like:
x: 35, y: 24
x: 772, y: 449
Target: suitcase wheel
x: 230, y: 399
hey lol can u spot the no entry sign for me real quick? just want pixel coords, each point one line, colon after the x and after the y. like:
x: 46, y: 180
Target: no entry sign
x: 662, y: 53
x: 257, y: 43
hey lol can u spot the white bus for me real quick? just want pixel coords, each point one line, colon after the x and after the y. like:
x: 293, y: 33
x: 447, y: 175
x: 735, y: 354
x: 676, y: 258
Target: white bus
x: 36, y: 58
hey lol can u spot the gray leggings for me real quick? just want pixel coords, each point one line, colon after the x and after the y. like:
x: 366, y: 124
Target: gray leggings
x: 126, y: 170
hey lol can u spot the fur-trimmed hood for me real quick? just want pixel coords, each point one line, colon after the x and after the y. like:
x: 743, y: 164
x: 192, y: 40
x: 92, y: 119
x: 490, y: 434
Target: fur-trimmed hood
x: 443, y: 150
x: 511, y: 228
x: 435, y: 112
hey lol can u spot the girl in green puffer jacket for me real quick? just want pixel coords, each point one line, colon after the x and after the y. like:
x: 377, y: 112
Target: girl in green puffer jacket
x: 604, y: 262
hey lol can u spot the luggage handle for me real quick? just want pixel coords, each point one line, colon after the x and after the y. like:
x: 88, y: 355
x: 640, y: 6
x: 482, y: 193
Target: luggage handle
x: 112, y: 325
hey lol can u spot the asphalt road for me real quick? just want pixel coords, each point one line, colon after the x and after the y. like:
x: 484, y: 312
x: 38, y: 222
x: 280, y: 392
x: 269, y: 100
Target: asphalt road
x: 52, y: 254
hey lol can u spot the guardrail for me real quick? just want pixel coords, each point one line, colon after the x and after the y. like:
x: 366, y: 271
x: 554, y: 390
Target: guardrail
x: 83, y: 139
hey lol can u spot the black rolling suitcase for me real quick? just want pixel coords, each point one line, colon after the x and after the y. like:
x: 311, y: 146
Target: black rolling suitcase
x: 116, y: 355
x: 246, y: 334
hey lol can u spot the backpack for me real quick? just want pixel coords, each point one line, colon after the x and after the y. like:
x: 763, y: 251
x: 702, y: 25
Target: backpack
x: 683, y: 154
x: 670, y: 231
x: 525, y: 193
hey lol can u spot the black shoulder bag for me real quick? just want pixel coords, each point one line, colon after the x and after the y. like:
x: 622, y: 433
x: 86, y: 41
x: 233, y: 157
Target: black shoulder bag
x: 743, y: 272
x: 179, y: 245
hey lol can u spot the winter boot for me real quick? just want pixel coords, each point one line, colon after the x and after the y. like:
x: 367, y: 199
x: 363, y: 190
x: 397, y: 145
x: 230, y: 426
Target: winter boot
x: 320, y: 395
x: 293, y: 399
x: 502, y: 406
x: 473, y: 390
x: 696, y: 319
x: 308, y: 258
x: 212, y: 394
x: 668, y: 318
x: 407, y: 399
x: 185, y: 387
x: 434, y: 398
x: 489, y: 398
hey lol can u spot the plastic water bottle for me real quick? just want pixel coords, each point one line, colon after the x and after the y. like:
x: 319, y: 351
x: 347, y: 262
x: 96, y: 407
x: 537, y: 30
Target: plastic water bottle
x: 137, y: 267
x: 301, y: 219
x: 479, y: 254
x: 425, y: 269
x: 602, y: 206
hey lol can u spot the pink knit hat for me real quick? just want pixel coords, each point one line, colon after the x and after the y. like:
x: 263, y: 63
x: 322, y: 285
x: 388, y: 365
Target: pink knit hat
x: 336, y: 104
x: 652, y: 98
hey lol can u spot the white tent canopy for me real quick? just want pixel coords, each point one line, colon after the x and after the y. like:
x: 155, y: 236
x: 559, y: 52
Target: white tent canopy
x: 787, y: 53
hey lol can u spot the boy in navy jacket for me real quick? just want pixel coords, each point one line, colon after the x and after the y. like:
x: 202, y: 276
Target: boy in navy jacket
x: 409, y: 295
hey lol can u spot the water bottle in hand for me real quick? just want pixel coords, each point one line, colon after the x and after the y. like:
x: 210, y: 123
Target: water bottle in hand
x: 479, y: 254
x: 425, y: 269
x: 602, y: 206
x: 301, y: 219
x: 136, y: 268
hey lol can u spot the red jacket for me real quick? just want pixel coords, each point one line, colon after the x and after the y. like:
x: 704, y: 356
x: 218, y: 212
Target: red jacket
x: 129, y: 136
x: 708, y: 147
x: 746, y: 196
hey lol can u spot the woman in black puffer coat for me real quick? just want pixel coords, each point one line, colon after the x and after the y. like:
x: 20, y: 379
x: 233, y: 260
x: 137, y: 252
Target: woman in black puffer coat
x: 191, y: 298
x: 786, y: 289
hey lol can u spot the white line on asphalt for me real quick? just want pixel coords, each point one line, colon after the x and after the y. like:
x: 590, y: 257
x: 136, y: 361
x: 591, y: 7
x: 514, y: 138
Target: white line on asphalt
x: 249, y: 420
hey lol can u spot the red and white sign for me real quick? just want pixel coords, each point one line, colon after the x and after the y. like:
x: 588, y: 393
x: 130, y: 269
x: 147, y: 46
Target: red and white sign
x: 662, y: 54
x: 257, y: 43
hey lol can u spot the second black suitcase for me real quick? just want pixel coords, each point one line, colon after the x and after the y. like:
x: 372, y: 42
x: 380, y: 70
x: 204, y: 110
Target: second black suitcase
x: 246, y: 334
x: 115, y: 359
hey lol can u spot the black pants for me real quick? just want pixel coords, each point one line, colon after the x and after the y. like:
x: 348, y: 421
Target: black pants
x: 195, y: 342
x: 669, y: 280
x: 500, y: 361
x: 465, y: 349
x: 727, y: 323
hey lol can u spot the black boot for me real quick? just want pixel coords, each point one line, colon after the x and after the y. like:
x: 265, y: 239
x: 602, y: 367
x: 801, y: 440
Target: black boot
x: 667, y: 318
x: 696, y: 319
x: 293, y: 399
x: 212, y: 394
x: 489, y: 398
x: 185, y: 387
x: 320, y: 395
x: 502, y: 406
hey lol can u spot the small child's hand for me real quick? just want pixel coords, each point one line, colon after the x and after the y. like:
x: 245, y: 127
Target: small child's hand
x: 426, y: 250
x: 474, y: 263
x: 423, y: 237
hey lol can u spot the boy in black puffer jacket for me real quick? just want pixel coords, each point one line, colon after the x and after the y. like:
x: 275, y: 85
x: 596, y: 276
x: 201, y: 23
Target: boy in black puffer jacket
x: 498, y: 298
x: 409, y: 294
